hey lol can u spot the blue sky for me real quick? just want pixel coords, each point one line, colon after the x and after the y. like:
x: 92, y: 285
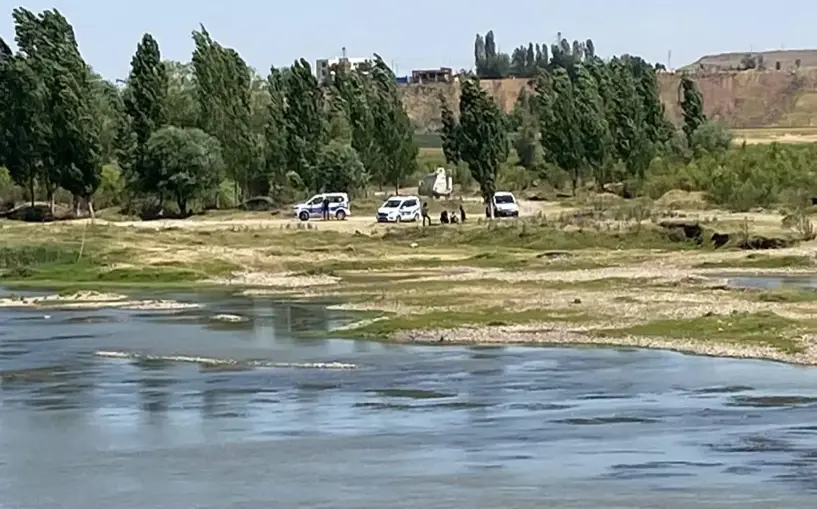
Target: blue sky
x: 425, y: 33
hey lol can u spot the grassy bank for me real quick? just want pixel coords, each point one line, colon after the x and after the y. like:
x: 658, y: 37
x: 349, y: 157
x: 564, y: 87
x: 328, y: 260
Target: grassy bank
x: 542, y: 280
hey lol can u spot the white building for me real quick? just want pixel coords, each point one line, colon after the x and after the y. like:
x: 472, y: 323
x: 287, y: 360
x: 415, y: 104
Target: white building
x: 323, y: 67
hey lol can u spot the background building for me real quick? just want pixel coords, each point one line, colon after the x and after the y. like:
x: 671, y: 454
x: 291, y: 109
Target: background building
x: 324, y: 66
x: 441, y: 75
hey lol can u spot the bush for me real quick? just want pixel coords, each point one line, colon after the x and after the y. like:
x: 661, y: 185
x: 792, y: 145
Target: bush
x: 741, y: 178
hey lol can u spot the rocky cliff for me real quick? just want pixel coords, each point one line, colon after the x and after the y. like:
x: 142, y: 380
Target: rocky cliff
x: 741, y: 99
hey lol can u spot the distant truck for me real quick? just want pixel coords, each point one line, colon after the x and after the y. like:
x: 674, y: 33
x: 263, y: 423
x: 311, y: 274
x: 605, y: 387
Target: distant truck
x: 439, y: 184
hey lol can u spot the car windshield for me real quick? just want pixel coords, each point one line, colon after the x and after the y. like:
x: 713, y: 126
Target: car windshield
x: 392, y: 204
x: 504, y: 198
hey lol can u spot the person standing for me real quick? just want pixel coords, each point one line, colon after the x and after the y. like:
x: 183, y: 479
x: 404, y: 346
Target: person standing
x: 462, y: 214
x: 325, y: 206
x: 425, y: 214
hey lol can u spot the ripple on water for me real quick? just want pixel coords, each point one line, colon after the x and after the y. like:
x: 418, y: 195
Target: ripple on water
x: 753, y: 443
x: 90, y: 320
x: 657, y: 469
x: 771, y: 401
x: 598, y: 421
x: 412, y: 394
x: 726, y: 389
x: 539, y: 407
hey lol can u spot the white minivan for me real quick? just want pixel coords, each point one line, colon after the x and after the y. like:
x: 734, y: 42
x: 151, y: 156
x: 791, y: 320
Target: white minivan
x: 399, y: 208
x: 505, y: 204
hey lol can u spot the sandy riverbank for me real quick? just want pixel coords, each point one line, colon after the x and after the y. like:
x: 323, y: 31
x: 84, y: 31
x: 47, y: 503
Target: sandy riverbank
x: 93, y: 300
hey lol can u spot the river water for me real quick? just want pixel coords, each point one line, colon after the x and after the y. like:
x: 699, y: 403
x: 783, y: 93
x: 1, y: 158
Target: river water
x: 410, y: 427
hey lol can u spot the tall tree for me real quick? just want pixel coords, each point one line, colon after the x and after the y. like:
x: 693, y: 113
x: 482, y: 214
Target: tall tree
x: 223, y: 89
x: 182, y: 106
x: 558, y: 119
x: 275, y: 135
x: 47, y: 44
x: 146, y: 101
x: 24, y: 128
x: 305, y: 123
x: 394, y: 135
x: 631, y: 144
x: 657, y: 128
x: 450, y: 133
x: 483, y: 141
x: 353, y: 90
x: 692, y: 105
x: 592, y: 122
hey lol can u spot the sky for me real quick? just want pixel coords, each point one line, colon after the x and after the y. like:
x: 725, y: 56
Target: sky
x: 426, y: 33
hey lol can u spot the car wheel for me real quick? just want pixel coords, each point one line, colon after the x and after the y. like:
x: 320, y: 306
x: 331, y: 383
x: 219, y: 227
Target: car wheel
x: 341, y: 215
x: 304, y: 216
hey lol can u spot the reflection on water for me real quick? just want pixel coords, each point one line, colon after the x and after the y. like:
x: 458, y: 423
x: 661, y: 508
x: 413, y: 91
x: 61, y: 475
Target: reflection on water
x: 409, y: 427
x: 771, y: 281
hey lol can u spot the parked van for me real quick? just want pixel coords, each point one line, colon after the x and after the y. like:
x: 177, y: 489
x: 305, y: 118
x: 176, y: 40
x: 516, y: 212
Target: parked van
x: 505, y: 205
x: 339, y: 207
x: 399, y: 208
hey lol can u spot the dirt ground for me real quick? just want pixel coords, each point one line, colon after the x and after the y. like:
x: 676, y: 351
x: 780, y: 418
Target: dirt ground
x: 362, y: 221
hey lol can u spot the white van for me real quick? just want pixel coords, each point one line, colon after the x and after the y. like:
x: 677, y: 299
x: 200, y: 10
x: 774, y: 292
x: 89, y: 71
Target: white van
x: 505, y: 204
x: 399, y: 208
x: 339, y: 207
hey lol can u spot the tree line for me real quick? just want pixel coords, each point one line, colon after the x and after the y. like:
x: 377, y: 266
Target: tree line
x: 527, y: 61
x: 596, y: 121
x: 179, y: 131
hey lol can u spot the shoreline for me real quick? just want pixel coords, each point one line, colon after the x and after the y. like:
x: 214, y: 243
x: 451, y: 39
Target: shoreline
x: 531, y: 282
x: 532, y: 335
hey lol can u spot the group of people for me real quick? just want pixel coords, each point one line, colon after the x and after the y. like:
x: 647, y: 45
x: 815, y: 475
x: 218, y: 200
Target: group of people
x: 446, y: 217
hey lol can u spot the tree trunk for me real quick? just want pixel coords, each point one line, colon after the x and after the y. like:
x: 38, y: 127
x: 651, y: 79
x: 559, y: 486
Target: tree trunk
x: 75, y: 202
x: 90, y: 201
x: 31, y: 182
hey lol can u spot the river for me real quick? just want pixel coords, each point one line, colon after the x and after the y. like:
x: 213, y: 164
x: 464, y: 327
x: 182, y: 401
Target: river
x: 410, y: 427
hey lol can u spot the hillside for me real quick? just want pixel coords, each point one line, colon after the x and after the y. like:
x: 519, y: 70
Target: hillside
x: 732, y: 61
x: 741, y: 99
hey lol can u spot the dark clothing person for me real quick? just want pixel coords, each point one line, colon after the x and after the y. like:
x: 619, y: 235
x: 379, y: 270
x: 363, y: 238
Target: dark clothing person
x: 326, y: 208
x: 425, y: 214
x: 453, y: 218
x: 444, y: 217
x: 462, y: 214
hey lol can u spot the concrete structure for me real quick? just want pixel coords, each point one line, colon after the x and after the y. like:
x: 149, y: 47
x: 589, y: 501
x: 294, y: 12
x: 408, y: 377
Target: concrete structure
x: 323, y: 67
x: 441, y: 75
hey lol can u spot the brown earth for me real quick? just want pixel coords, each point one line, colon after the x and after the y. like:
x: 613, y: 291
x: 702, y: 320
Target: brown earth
x: 741, y: 99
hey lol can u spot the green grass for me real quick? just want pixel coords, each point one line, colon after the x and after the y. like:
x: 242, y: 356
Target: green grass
x: 762, y: 261
x: 491, y: 317
x: 762, y: 329
x: 783, y: 295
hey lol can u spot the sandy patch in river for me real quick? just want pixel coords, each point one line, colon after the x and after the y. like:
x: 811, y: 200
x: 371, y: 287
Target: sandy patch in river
x: 93, y: 300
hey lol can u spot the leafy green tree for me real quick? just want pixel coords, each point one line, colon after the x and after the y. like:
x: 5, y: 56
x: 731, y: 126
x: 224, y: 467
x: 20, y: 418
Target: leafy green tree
x: 559, y: 123
x: 657, y: 128
x: 24, y: 127
x: 305, y: 124
x: 224, y: 91
x: 592, y: 122
x: 146, y: 100
x: 275, y: 135
x: 630, y: 141
x: 6, y: 70
x: 182, y: 106
x: 483, y: 140
x: 692, y: 105
x: 47, y: 43
x: 185, y: 163
x: 341, y: 169
x: 354, y: 92
x: 394, y: 135
x: 108, y: 109
x: 450, y: 133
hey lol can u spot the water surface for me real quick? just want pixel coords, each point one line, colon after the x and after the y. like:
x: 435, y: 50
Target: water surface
x: 411, y: 427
